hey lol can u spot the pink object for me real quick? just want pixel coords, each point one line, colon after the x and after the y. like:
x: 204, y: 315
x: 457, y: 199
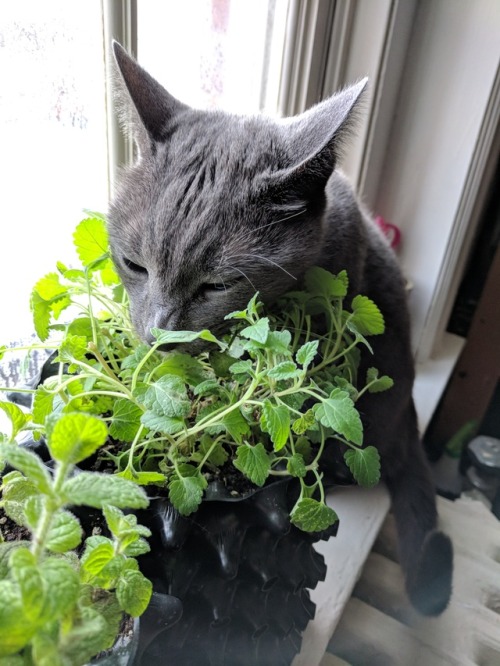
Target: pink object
x: 390, y: 231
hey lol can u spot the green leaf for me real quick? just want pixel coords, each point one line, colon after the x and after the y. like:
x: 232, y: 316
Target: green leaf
x: 364, y: 465
x: 295, y: 465
x: 339, y: 413
x: 65, y: 533
x: 133, y: 592
x: 62, y: 584
x: 310, y: 515
x: 306, y: 354
x: 72, y: 348
x: 284, y: 370
x: 253, y: 462
x: 275, y: 420
x: 16, y: 491
x: 378, y: 384
x: 143, y: 478
x: 164, y: 424
x: 171, y: 337
x: 236, y: 425
x: 42, y: 405
x: 241, y: 368
x: 95, y: 558
x: 126, y: 420
x: 17, y: 417
x: 303, y: 446
x: 186, y: 489
x: 366, y: 318
x: 29, y: 464
x: 76, y: 436
x: 96, y: 490
x: 49, y: 287
x: 186, y: 367
x: 279, y: 342
x: 6, y: 550
x: 304, y: 422
x: 208, y: 387
x: 257, y: 332
x: 25, y: 572
x: 91, y: 240
x: 319, y: 281
x: 81, y: 326
x: 218, y: 454
x: 168, y: 397
x: 15, y: 630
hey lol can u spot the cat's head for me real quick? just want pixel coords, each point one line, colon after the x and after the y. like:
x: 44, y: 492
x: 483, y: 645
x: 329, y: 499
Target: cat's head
x: 218, y: 206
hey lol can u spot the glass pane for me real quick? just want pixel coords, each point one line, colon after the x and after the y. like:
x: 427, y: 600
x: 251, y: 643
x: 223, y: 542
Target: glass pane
x: 215, y: 53
x: 53, y: 139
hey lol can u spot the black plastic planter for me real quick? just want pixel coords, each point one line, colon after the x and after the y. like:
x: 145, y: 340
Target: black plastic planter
x: 243, y: 574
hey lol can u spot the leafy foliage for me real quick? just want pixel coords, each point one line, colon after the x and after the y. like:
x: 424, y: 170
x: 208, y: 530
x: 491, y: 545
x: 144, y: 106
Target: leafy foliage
x: 276, y: 386
x: 54, y: 607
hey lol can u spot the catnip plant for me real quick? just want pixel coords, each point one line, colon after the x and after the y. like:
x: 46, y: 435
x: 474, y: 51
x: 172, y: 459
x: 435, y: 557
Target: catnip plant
x: 62, y: 601
x: 266, y: 399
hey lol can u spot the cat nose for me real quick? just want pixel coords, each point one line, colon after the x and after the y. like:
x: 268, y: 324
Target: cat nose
x: 164, y: 318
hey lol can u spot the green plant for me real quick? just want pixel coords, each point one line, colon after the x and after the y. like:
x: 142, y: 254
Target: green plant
x: 61, y: 603
x: 266, y: 400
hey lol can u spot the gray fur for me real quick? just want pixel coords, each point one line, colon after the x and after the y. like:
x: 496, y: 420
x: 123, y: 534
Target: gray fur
x: 248, y: 203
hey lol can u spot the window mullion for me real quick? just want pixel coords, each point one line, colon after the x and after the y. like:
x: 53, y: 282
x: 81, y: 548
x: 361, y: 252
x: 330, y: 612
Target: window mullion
x: 119, y: 23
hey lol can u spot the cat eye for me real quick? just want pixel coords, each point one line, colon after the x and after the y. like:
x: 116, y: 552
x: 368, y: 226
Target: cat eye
x: 135, y: 268
x: 212, y: 287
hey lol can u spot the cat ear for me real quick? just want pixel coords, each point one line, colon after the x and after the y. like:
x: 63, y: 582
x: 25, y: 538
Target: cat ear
x: 152, y: 104
x: 315, y: 140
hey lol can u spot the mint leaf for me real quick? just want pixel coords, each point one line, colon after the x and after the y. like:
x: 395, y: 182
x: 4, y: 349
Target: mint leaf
x: 366, y: 318
x: 253, y: 462
x: 165, y: 424
x: 321, y: 282
x: 73, y: 347
x: 168, y: 397
x: 339, y: 413
x: 95, y: 558
x: 304, y: 422
x: 257, y: 332
x: 61, y: 581
x: 241, y: 367
x: 275, y: 420
x: 364, y: 465
x: 17, y: 490
x: 171, y: 337
x: 65, y: 533
x: 29, y: 464
x: 312, y: 516
x: 279, y: 342
x: 76, y: 436
x: 42, y: 405
x: 133, y: 592
x: 126, y: 420
x: 186, y: 489
x: 284, y: 370
x: 25, y: 572
x: 96, y: 490
x: 17, y: 417
x: 295, y: 465
x: 142, y: 478
x: 236, y: 425
x: 91, y: 240
x: 306, y: 354
x: 378, y: 384
x: 218, y: 454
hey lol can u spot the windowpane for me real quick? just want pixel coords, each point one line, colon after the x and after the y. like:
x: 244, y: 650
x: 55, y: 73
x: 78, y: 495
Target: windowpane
x: 53, y: 140
x: 215, y: 53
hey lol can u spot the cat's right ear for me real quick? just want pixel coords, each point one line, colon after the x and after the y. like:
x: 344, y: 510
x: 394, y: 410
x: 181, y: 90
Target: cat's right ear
x: 152, y: 106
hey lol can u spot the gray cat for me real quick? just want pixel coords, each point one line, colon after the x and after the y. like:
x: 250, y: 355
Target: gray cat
x: 219, y: 206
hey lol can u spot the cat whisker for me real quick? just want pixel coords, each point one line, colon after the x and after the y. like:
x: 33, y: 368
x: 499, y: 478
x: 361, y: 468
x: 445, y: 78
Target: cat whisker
x: 284, y: 219
x: 258, y: 256
x: 245, y: 276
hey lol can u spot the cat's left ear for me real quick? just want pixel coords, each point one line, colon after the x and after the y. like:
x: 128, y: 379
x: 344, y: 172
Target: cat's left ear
x: 315, y: 140
x: 153, y: 106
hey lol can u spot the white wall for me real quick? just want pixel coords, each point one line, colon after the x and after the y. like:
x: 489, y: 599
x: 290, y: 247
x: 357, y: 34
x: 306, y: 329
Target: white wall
x: 437, y: 147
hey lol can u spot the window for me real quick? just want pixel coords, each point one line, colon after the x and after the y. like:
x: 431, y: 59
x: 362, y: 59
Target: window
x: 53, y: 138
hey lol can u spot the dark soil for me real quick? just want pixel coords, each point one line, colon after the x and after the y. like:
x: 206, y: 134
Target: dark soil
x: 11, y: 531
